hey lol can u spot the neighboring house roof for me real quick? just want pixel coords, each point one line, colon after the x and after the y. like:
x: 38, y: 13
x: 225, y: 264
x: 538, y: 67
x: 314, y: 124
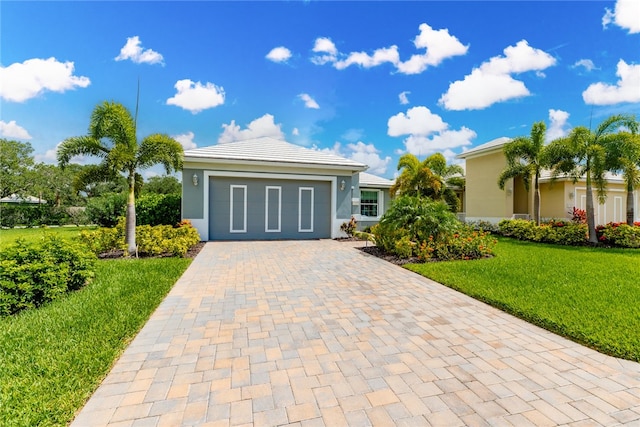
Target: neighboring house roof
x: 484, y: 148
x: 14, y: 198
x: 368, y: 180
x: 266, y: 150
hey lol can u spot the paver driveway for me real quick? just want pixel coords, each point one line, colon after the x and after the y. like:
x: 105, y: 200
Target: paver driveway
x: 315, y: 333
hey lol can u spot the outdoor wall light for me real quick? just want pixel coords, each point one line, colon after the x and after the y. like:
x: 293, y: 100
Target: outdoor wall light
x: 343, y: 185
x: 571, y: 195
x: 509, y: 191
x: 194, y: 179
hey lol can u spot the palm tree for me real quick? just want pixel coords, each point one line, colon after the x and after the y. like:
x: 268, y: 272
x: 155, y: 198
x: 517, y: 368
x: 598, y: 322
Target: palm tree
x: 583, y: 153
x: 623, y: 156
x: 429, y: 178
x: 523, y: 156
x: 112, y: 137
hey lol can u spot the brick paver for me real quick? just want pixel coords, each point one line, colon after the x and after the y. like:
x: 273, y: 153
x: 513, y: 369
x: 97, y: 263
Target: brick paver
x: 313, y: 333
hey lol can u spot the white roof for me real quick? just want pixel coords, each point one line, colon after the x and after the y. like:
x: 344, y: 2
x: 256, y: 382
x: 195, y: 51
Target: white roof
x: 14, y: 198
x: 487, y: 146
x: 270, y: 150
x: 368, y: 180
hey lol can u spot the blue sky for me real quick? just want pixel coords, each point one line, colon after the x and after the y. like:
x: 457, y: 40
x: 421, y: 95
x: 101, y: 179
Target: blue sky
x: 366, y: 80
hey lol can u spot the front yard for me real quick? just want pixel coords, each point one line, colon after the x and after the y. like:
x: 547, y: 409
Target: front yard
x: 590, y: 295
x: 53, y: 358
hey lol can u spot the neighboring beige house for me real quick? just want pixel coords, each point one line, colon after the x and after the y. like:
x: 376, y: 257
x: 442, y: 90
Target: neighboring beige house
x: 484, y: 200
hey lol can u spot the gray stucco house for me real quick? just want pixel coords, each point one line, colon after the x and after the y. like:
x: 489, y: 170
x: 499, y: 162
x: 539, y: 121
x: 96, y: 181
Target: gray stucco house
x: 264, y: 188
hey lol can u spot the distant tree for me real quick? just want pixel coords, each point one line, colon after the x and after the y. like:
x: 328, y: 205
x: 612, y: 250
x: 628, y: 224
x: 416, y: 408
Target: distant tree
x: 623, y: 156
x: 15, y: 162
x: 524, y: 157
x: 112, y: 137
x: 98, y: 180
x: 54, y: 184
x: 428, y: 178
x: 162, y: 185
x: 584, y: 154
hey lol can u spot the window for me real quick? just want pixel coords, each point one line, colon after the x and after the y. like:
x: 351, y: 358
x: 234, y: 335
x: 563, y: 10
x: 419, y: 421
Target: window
x: 305, y: 210
x: 369, y: 203
x: 238, y: 209
x: 273, y: 209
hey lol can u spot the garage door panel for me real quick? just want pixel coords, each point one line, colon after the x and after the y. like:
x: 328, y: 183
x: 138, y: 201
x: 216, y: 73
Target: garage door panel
x: 275, y: 209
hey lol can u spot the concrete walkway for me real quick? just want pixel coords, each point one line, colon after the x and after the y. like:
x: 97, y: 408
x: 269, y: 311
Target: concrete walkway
x: 317, y: 333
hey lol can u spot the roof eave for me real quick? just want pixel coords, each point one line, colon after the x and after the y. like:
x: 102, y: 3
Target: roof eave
x: 210, y: 160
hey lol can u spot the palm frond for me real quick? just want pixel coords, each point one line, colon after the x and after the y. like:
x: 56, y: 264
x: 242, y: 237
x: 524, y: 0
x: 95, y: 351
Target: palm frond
x: 79, y: 146
x: 160, y: 149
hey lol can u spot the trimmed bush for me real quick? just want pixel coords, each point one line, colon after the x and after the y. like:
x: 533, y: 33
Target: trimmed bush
x: 152, y: 241
x: 32, y: 215
x: 107, y: 209
x: 158, y: 209
x: 620, y: 234
x: 32, y: 274
x: 560, y: 232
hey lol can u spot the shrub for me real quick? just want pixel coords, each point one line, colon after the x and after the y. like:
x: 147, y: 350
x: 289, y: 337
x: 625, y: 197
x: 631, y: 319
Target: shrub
x: 481, y: 225
x: 465, y: 244
x: 620, y: 234
x: 105, y: 210
x: 349, y: 228
x: 558, y: 231
x: 158, y: 209
x: 521, y: 229
x: 32, y: 274
x: 578, y: 215
x: 151, y: 241
x: 32, y: 215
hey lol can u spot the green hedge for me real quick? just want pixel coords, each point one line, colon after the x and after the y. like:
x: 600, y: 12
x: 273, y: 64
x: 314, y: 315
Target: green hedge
x: 158, y: 209
x: 32, y: 215
x: 32, y: 274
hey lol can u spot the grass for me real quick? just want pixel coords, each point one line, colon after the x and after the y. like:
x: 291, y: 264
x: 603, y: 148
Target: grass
x: 53, y: 358
x: 9, y: 235
x: 590, y: 295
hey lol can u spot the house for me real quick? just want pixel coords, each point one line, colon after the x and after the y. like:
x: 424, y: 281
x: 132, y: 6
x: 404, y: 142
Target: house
x: 264, y: 188
x: 484, y: 200
x: 14, y: 198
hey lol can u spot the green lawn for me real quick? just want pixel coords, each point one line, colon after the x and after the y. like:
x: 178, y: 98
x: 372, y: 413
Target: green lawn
x: 9, y: 235
x: 591, y: 295
x: 53, y: 358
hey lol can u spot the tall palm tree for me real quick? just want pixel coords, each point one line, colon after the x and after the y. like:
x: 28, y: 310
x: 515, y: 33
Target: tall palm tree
x: 112, y: 137
x: 583, y: 154
x: 623, y: 156
x: 523, y: 156
x: 429, y: 178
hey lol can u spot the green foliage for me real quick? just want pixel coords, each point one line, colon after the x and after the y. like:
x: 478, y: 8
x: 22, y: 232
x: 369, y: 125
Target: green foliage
x: 15, y: 161
x: 583, y: 293
x: 162, y: 185
x: 481, y: 225
x: 158, y: 209
x: 617, y: 234
x: 152, y: 241
x: 32, y: 215
x: 428, y: 230
x: 553, y: 231
x: 53, y: 358
x: 105, y: 210
x: 32, y: 274
x: 349, y: 228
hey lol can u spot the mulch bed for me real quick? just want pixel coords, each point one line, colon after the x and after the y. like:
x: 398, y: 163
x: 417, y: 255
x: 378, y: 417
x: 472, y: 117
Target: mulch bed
x: 191, y: 253
x: 377, y: 252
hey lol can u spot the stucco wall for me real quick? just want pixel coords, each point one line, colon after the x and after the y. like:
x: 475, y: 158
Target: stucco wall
x: 483, y: 196
x: 554, y: 200
x: 192, y: 196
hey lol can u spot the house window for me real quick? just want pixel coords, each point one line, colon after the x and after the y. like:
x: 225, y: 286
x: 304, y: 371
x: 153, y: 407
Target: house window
x: 369, y: 203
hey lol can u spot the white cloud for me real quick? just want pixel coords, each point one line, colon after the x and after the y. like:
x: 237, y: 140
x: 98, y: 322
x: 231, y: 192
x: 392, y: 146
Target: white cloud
x: 626, y: 89
x: 196, y: 97
x: 557, y: 124
x: 427, y: 132
x: 586, y: 63
x: 625, y: 15
x: 326, y: 51
x: 262, y: 126
x: 492, y: 81
x: 404, y: 100
x: 295, y: 132
x: 186, y: 140
x: 360, y: 152
x: 51, y: 157
x: 279, y: 54
x: 439, y: 45
x: 353, y: 135
x: 309, y: 102
x: 13, y: 130
x: 417, y: 121
x: 26, y: 80
x: 133, y: 50
x: 370, y: 156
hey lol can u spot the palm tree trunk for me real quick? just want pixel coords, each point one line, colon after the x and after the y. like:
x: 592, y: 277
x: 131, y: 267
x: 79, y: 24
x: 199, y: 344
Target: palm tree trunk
x: 591, y: 223
x: 536, y: 199
x: 130, y: 232
x: 630, y: 211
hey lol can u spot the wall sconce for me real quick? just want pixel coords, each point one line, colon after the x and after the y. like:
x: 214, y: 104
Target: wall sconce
x: 509, y: 191
x: 571, y: 195
x: 343, y: 185
x: 194, y: 179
